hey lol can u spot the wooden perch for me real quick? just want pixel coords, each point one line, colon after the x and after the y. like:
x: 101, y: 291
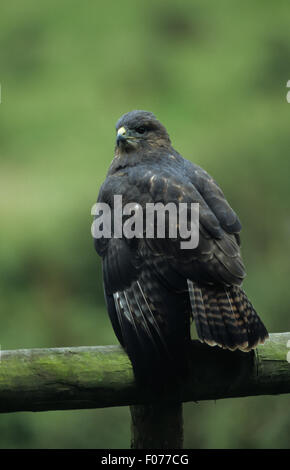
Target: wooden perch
x: 101, y: 376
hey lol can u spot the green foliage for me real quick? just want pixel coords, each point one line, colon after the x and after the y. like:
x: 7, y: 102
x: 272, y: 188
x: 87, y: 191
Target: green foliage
x: 216, y: 76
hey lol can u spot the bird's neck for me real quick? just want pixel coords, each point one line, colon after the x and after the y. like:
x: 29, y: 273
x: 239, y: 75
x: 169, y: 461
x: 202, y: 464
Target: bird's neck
x: 123, y: 159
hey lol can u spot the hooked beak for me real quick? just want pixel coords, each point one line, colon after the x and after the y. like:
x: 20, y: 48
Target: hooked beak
x: 121, y: 136
x: 125, y: 139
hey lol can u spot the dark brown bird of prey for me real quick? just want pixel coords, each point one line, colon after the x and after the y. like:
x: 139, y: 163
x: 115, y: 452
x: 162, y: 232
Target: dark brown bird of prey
x: 154, y: 288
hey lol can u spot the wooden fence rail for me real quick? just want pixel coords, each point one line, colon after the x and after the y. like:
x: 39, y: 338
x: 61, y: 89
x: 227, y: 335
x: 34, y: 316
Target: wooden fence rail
x: 101, y: 376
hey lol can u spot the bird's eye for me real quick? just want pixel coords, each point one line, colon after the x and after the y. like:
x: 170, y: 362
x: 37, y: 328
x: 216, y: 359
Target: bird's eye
x: 141, y: 130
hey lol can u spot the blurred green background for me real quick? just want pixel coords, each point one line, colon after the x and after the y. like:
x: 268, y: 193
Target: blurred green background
x: 215, y: 74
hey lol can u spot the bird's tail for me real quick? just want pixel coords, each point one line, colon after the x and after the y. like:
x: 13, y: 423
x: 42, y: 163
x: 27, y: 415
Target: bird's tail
x: 225, y: 317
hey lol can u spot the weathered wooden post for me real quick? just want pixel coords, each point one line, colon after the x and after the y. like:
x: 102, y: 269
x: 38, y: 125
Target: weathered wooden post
x: 157, y: 426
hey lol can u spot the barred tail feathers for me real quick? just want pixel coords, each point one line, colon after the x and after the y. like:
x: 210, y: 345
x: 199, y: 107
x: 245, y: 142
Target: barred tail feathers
x: 225, y: 317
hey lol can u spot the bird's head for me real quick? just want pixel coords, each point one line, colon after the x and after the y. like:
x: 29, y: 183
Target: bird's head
x: 138, y: 130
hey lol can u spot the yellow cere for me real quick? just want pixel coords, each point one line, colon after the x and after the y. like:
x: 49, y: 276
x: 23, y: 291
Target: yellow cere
x: 121, y: 131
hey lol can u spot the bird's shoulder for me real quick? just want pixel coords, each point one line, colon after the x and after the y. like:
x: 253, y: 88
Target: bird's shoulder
x: 168, y: 177
x: 152, y: 178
